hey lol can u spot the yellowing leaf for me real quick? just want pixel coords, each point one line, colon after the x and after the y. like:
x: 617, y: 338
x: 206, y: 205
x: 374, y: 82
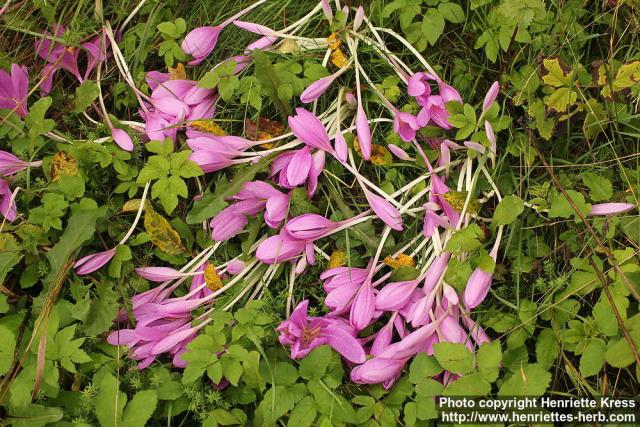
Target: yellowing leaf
x: 379, y: 155
x: 178, y: 72
x: 289, y: 46
x: 161, y: 233
x: 131, y: 205
x: 627, y: 76
x: 333, y: 41
x: 338, y: 59
x: 208, y: 126
x: 555, y: 74
x: 457, y: 198
x: 63, y: 164
x: 561, y: 99
x: 337, y: 259
x: 211, y: 278
x: 402, y: 260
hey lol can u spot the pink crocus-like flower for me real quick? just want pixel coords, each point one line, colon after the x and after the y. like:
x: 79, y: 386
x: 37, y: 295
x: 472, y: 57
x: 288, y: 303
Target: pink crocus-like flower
x: 384, y: 210
x: 158, y: 274
x: 93, y: 262
x: 611, y: 208
x: 293, y: 168
x: 432, y: 220
x: 341, y: 285
x: 253, y: 198
x: 63, y: 57
x: 364, y: 306
x: 479, y: 283
x: 303, y: 333
x: 10, y: 164
x: 201, y: 41
x: 14, y: 89
x: 341, y: 148
x: 309, y: 227
x: 279, y: 248
x: 310, y: 130
x: 491, y: 96
x: 7, y: 204
x: 405, y: 125
x: 434, y: 110
x: 419, y: 87
x: 364, y: 132
x: 122, y: 138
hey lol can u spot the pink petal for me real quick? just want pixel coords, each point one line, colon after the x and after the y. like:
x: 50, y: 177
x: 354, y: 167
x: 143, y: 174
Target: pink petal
x: 158, y: 274
x: 491, y: 96
x: 384, y: 210
x: 299, y: 166
x: 364, y: 132
x: 200, y: 42
x: 611, y: 208
x: 91, y: 263
x: 122, y: 138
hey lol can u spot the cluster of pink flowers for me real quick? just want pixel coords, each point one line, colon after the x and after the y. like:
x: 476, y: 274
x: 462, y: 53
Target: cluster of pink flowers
x: 401, y: 318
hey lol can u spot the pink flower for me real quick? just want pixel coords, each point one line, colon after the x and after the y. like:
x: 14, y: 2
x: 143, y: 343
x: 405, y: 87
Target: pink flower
x: 611, y: 208
x: 303, y: 333
x: 200, y: 42
x: 398, y: 152
x: 10, y: 164
x: 122, y: 138
x: 434, y: 110
x: 448, y: 93
x: 479, y: 283
x: 405, y: 125
x: 295, y: 167
x: 364, y: 307
x: 253, y: 198
x: 491, y: 136
x: 341, y: 285
x: 419, y: 87
x: 341, y: 149
x: 158, y: 274
x: 364, y: 132
x: 309, y: 227
x: 280, y: 248
x: 92, y: 262
x: 432, y: 220
x: 7, y: 205
x: 491, y: 96
x: 317, y: 88
x: 395, y: 295
x: 384, y: 210
x: 310, y: 130
x: 14, y: 89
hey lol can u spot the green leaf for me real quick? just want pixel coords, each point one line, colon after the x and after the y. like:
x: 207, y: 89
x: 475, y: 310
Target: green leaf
x: 10, y: 256
x: 547, y: 347
x: 109, y: 402
x: 560, y: 207
x: 619, y: 354
x: 469, y: 385
x: 561, y: 99
x: 29, y: 415
x: 35, y: 121
x: 489, y: 359
x: 80, y: 228
x: 269, y: 80
x: 465, y: 240
x: 432, y: 25
x: 423, y: 367
x: 213, y: 202
x: 600, y: 188
x: 140, y: 409
x: 529, y: 380
x: 315, y: 364
x: 86, y: 93
x: 593, y: 357
x: 304, y: 413
x: 509, y: 208
x: 452, y: 12
x: 454, y: 357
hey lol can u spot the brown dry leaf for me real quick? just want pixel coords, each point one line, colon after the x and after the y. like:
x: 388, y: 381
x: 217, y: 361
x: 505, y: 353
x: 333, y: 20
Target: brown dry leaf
x: 162, y: 234
x: 402, y: 260
x: 263, y: 129
x: 63, y: 164
x: 208, y: 126
x: 337, y: 259
x: 178, y: 72
x: 131, y: 205
x: 211, y: 278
